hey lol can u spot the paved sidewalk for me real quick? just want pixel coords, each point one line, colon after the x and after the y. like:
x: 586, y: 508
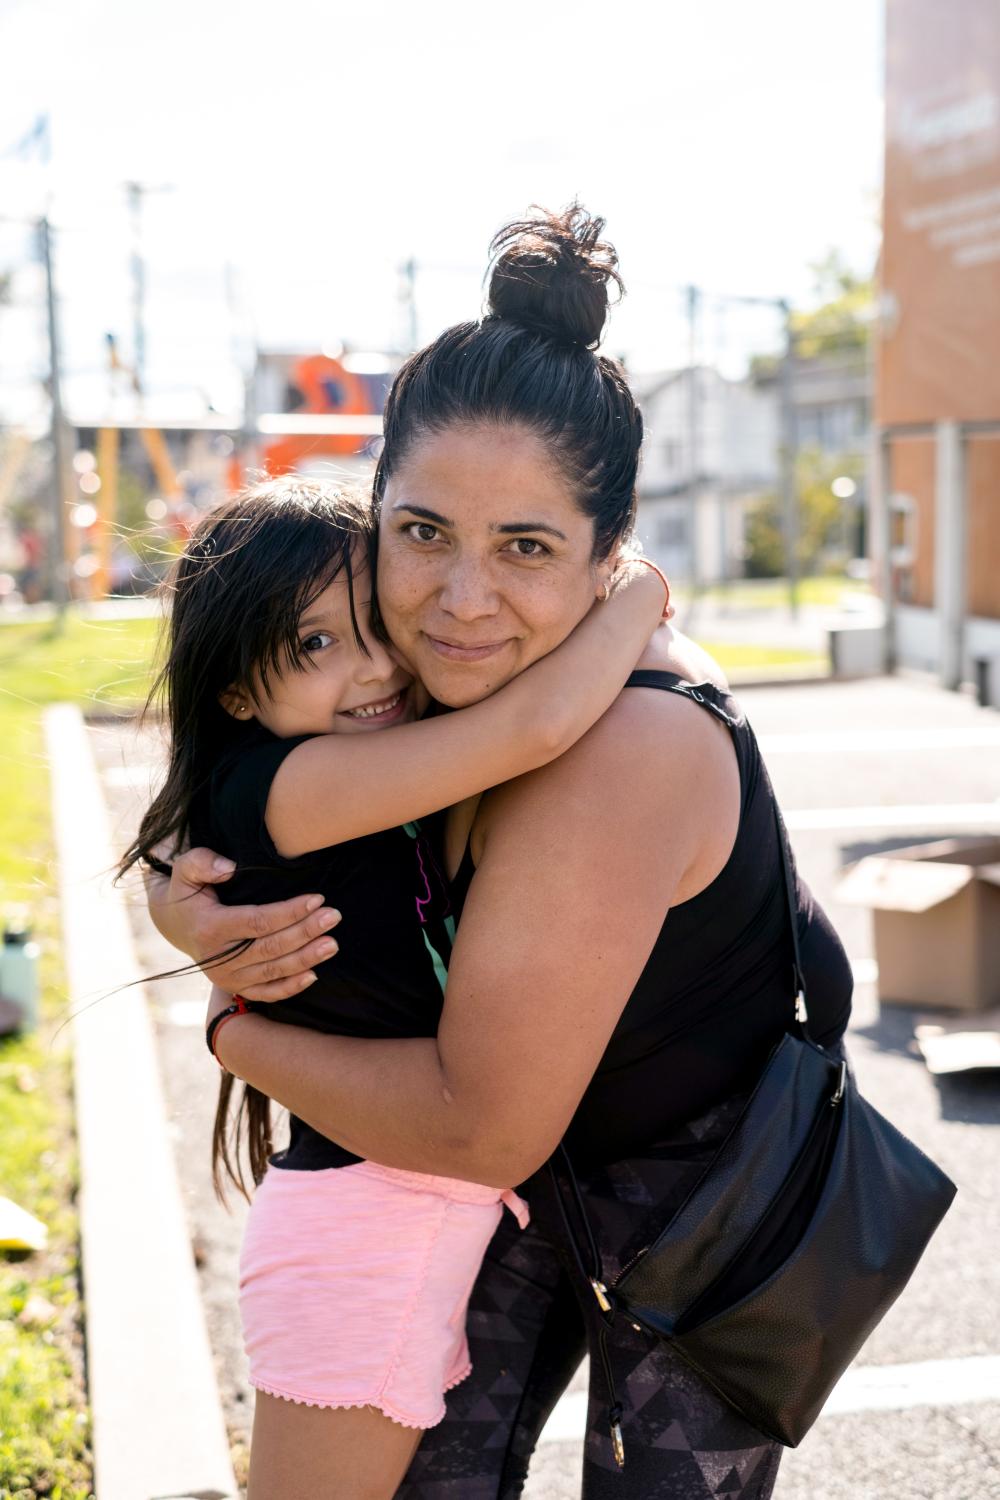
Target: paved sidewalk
x: 926, y: 752
x: 157, y: 1422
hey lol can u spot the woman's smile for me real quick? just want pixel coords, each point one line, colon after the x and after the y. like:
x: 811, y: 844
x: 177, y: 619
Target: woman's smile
x: 456, y: 650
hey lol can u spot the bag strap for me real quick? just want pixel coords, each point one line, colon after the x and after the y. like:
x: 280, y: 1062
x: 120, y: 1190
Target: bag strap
x: 669, y: 683
x: 788, y: 878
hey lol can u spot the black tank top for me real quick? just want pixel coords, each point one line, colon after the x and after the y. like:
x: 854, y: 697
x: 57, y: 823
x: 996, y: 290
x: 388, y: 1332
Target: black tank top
x: 387, y: 980
x: 716, y: 993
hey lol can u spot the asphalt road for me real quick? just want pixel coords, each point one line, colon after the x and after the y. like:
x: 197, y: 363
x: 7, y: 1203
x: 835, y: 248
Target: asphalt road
x: 934, y: 1451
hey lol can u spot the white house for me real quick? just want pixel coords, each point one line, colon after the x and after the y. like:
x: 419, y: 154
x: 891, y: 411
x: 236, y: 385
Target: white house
x: 711, y: 449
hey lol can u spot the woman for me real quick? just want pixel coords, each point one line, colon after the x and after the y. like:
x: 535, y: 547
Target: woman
x: 621, y: 969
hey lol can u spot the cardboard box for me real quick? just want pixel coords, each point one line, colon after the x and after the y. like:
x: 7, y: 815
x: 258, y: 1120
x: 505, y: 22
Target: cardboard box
x: 966, y: 1044
x: 936, y: 915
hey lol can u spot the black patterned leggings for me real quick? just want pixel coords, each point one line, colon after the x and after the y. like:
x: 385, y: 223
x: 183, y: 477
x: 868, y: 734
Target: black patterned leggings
x: 531, y: 1320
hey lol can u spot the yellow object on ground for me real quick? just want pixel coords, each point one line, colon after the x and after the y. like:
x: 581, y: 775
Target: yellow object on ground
x: 20, y: 1230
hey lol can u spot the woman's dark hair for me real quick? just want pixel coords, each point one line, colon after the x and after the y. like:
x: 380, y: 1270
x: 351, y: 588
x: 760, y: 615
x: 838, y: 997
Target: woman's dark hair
x: 532, y: 361
x: 235, y: 597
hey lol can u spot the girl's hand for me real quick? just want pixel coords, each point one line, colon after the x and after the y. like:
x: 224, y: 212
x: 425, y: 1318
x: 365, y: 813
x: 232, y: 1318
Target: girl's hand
x: 631, y: 569
x: 288, y: 937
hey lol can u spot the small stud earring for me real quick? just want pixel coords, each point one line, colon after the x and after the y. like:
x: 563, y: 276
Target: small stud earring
x: 241, y: 708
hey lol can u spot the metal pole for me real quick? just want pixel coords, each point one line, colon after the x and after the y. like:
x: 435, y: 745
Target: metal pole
x: 789, y: 454
x: 408, y: 294
x: 134, y: 191
x: 880, y: 535
x: 693, y: 296
x: 58, y: 581
x: 950, y: 548
x: 107, y: 506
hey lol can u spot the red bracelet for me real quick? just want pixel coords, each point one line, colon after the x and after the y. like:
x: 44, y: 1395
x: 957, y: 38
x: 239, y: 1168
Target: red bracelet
x: 648, y: 563
x: 238, y: 1007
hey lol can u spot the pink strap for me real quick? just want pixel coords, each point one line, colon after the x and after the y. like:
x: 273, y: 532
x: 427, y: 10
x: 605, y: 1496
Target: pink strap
x: 517, y: 1206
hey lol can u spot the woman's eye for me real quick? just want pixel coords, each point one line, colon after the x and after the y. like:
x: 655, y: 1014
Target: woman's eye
x: 317, y: 641
x: 526, y: 546
x: 422, y: 531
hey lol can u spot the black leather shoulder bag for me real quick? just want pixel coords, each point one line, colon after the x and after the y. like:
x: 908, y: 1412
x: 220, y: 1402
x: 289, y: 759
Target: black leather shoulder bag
x: 794, y: 1243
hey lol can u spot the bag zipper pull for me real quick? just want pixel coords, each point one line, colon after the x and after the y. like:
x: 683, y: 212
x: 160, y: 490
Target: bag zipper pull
x: 841, y: 1081
x: 601, y: 1293
x: 617, y: 1442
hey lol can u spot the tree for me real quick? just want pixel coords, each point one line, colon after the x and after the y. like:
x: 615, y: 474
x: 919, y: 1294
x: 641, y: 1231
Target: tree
x: 821, y: 518
x: 842, y: 318
x: 840, y: 322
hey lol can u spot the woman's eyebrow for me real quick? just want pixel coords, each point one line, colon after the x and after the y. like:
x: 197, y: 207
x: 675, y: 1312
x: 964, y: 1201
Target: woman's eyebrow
x: 423, y: 513
x: 514, y: 528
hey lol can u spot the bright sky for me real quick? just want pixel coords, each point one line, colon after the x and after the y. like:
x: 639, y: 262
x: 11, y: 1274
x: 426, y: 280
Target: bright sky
x: 313, y: 145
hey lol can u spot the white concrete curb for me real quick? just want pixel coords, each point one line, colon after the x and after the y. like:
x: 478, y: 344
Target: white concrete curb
x: 158, y: 1425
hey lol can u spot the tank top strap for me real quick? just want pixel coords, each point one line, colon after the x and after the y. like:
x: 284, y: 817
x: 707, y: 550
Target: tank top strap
x: 706, y: 694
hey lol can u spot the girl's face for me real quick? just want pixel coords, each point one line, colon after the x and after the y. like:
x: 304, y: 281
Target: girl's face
x: 484, y: 561
x: 337, y: 689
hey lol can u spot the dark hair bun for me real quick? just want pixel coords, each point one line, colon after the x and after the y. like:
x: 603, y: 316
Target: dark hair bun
x: 551, y: 272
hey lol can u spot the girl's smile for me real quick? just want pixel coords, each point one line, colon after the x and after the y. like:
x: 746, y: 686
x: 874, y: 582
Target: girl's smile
x: 337, y: 686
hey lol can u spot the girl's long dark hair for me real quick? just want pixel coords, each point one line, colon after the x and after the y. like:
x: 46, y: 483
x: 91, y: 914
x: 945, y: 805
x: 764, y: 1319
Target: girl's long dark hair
x: 235, y: 597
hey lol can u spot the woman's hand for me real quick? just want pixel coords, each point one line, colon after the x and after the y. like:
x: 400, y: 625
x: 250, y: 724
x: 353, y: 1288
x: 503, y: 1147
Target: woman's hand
x: 287, y: 937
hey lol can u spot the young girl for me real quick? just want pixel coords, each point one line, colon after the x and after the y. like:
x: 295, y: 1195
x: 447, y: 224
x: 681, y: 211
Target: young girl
x: 295, y: 750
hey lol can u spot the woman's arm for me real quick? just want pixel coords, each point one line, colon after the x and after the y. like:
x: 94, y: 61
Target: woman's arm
x: 339, y: 787
x: 580, y: 863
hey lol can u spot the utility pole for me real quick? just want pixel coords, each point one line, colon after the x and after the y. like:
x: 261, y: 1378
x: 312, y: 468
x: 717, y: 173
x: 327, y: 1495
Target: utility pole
x: 789, y: 454
x: 408, y: 296
x: 135, y: 192
x: 693, y: 300
x: 58, y: 581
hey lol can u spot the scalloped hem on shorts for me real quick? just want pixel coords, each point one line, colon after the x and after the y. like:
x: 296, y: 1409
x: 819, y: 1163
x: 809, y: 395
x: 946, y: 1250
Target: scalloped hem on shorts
x: 378, y: 1403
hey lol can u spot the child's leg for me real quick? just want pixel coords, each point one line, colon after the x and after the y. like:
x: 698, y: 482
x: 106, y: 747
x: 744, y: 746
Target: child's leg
x: 321, y: 1453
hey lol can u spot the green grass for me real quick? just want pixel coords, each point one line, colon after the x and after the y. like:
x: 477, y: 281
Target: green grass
x: 44, y: 1432
x: 772, y: 593
x: 743, y: 658
x: 96, y: 663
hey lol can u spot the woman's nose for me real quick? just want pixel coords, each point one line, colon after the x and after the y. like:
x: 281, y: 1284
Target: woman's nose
x: 467, y: 591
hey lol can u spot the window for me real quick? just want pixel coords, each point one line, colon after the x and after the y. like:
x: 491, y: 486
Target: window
x: 902, y: 530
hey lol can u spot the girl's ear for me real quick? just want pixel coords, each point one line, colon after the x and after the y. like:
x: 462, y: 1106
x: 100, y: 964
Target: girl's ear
x: 235, y: 702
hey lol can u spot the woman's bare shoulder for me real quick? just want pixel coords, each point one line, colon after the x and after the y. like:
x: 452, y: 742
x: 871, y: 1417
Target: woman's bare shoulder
x: 654, y: 762
x: 651, y: 748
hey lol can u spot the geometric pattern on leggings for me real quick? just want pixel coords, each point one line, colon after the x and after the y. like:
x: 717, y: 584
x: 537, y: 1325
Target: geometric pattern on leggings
x: 530, y: 1322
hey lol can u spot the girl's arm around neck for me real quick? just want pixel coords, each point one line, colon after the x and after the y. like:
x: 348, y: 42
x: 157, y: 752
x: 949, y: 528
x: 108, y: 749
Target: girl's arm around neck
x: 339, y: 787
x: 580, y: 863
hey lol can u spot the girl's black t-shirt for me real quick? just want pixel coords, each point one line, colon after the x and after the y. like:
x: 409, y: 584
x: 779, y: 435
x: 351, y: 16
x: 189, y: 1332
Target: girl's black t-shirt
x: 717, y: 993
x: 387, y: 979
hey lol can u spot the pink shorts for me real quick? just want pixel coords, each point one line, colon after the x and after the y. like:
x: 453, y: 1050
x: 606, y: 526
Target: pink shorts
x: 354, y: 1283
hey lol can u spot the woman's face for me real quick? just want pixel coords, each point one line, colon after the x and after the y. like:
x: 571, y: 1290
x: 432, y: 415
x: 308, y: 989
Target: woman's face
x: 484, y: 559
